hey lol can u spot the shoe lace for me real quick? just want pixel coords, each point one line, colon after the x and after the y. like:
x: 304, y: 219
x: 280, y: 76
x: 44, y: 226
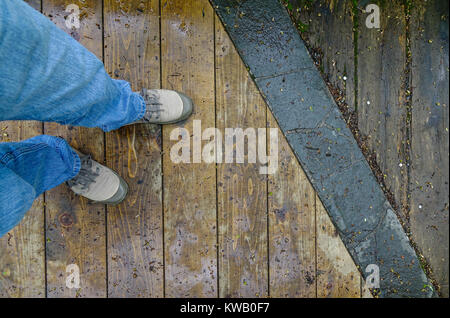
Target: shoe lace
x: 86, y: 175
x: 153, y: 105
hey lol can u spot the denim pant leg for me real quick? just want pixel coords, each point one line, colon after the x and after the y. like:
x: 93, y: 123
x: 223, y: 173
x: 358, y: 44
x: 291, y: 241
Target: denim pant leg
x: 46, y: 75
x: 27, y: 169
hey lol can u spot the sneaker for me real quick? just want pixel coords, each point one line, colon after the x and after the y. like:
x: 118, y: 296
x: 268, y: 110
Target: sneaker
x: 97, y: 182
x: 165, y: 106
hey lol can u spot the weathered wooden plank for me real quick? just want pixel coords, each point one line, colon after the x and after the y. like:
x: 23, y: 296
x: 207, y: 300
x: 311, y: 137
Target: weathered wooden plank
x: 337, y: 275
x: 241, y: 189
x: 291, y: 203
x: 429, y: 134
x: 187, y: 37
x: 135, y: 246
x: 327, y: 28
x: 75, y: 228
x: 22, y: 260
x: 382, y: 101
x: 22, y: 250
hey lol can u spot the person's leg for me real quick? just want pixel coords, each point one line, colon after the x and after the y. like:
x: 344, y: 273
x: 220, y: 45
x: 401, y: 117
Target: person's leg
x: 48, y: 76
x: 30, y: 167
x: 27, y: 169
x: 16, y: 198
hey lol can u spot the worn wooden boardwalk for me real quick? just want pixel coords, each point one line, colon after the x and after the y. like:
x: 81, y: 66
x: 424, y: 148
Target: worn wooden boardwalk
x: 395, y: 82
x: 185, y: 230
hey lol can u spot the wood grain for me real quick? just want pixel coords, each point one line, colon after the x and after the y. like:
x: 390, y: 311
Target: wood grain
x: 75, y: 228
x: 122, y: 254
x: 241, y: 189
x: 22, y: 250
x: 22, y: 257
x: 382, y: 100
x: 292, y: 230
x: 429, y: 134
x: 327, y: 27
x: 187, y: 37
x: 135, y: 245
x: 337, y: 275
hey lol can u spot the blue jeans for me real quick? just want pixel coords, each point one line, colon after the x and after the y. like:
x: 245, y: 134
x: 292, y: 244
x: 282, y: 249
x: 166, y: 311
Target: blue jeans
x: 46, y: 75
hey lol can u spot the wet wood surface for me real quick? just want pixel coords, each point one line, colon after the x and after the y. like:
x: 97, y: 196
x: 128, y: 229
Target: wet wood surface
x: 22, y: 256
x: 190, y: 227
x: 22, y: 261
x: 382, y: 101
x: 429, y: 179
x: 241, y: 189
x: 75, y: 228
x: 292, y: 232
x: 326, y: 26
x: 185, y: 230
x: 135, y: 249
x: 337, y: 275
x: 400, y: 103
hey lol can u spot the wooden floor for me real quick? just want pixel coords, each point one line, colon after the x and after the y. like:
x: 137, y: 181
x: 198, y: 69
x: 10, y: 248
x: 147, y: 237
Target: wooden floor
x: 185, y: 230
x: 394, y: 81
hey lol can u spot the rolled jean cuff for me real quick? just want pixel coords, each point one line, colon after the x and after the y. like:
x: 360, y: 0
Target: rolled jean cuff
x: 130, y: 104
x: 75, y: 159
x: 68, y: 155
x: 44, y: 162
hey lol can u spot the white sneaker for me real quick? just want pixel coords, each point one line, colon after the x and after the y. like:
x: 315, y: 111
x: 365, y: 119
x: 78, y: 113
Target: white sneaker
x: 165, y: 106
x: 97, y: 182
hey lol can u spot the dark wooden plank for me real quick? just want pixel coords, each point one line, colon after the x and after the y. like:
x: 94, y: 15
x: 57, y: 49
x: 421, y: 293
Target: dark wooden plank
x: 135, y: 246
x: 75, y: 228
x: 22, y: 261
x: 187, y: 35
x: 241, y: 189
x: 327, y: 28
x: 337, y: 275
x: 429, y: 134
x: 382, y: 101
x: 292, y: 230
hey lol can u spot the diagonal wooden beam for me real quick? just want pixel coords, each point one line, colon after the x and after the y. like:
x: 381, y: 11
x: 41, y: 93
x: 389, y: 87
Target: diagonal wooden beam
x: 291, y: 85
